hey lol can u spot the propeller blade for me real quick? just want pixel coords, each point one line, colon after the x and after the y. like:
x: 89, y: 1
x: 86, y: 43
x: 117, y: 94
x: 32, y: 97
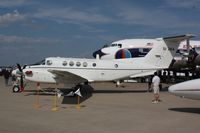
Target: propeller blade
x: 19, y: 67
x: 24, y: 66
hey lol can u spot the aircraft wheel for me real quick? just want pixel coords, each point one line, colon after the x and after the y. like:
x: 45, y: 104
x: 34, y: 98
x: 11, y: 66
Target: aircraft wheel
x: 16, y: 89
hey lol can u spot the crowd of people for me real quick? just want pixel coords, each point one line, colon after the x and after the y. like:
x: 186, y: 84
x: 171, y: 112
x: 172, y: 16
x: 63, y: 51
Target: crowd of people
x: 7, y: 74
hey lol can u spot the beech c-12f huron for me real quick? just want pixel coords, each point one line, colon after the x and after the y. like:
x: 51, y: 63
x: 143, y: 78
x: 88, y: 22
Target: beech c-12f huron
x: 76, y: 71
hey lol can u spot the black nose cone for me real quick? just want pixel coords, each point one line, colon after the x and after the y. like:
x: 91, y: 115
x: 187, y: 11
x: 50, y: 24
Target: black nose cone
x: 98, y: 52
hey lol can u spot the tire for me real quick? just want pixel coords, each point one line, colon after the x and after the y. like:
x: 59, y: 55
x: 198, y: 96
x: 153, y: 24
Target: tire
x: 16, y: 89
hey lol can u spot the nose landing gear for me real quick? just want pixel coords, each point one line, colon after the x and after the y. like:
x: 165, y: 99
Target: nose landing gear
x: 16, y: 88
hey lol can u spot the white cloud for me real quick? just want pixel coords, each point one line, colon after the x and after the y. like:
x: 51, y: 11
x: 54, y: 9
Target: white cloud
x: 72, y: 15
x: 155, y: 17
x: 12, y: 3
x: 8, y: 18
x: 183, y: 3
x: 27, y: 40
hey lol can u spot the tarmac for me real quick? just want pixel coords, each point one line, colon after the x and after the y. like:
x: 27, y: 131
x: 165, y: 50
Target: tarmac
x: 107, y: 110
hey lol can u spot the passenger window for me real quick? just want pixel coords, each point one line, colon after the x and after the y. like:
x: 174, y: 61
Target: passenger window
x: 84, y: 64
x: 64, y: 63
x: 78, y: 64
x: 94, y: 64
x: 49, y: 62
x: 71, y: 63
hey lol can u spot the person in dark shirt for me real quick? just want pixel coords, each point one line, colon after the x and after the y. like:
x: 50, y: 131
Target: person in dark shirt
x: 6, y: 74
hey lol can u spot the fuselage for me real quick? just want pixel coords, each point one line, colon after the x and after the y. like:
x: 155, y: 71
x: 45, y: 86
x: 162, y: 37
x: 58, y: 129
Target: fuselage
x: 90, y: 69
x: 94, y: 69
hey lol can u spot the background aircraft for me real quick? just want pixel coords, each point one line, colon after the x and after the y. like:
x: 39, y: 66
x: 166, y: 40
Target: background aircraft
x: 189, y: 89
x: 186, y: 59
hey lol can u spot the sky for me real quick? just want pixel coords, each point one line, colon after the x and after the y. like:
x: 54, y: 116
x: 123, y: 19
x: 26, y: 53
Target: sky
x: 31, y: 30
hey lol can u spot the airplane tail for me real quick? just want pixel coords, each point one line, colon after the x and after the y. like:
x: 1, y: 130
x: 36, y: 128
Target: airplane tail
x: 163, y: 52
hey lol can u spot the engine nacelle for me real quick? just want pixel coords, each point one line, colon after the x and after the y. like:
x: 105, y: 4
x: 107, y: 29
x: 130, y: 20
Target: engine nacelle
x: 197, y: 60
x: 179, y: 64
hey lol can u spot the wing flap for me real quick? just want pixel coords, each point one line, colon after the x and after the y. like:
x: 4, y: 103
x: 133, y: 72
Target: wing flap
x: 67, y: 77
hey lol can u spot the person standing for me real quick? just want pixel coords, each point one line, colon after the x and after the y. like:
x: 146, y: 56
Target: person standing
x: 155, y: 86
x: 6, y: 76
x: 149, y: 89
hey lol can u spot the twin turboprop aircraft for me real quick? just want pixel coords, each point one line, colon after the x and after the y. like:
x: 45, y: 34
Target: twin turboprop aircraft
x: 75, y: 71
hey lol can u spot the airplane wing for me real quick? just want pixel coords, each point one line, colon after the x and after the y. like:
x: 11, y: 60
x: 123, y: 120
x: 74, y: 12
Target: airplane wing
x: 151, y: 72
x: 67, y: 77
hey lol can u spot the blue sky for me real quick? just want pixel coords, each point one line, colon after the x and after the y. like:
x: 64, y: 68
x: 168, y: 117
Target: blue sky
x: 31, y: 30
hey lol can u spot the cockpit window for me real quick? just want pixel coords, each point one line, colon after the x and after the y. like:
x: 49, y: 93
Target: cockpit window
x: 64, y: 63
x: 113, y: 45
x: 116, y: 45
x: 39, y: 63
x: 105, y: 46
x: 78, y: 64
x: 42, y: 62
x: 71, y: 63
x: 85, y: 64
x: 49, y: 62
x: 94, y: 64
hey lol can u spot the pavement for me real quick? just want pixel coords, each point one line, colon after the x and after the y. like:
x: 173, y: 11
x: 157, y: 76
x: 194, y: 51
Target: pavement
x: 107, y: 110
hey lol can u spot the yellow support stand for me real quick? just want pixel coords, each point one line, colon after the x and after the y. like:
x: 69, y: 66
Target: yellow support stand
x: 37, y: 99
x: 55, y: 104
x: 78, y: 103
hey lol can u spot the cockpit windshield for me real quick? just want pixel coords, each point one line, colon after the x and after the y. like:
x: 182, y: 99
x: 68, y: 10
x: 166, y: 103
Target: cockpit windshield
x: 40, y: 63
x: 105, y: 46
x: 116, y: 45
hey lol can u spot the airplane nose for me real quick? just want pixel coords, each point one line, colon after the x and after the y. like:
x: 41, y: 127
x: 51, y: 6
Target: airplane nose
x: 14, y: 72
x: 177, y: 90
x: 98, y: 52
x: 172, y: 89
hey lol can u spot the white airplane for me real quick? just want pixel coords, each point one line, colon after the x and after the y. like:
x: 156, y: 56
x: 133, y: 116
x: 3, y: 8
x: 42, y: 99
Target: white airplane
x: 127, y: 48
x: 189, y: 89
x: 130, y: 48
x: 76, y: 71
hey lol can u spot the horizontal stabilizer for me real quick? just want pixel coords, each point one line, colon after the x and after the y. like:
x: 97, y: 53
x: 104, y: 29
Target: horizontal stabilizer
x: 178, y: 39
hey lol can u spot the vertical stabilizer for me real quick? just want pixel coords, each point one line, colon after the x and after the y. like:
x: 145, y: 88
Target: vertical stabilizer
x: 164, y: 50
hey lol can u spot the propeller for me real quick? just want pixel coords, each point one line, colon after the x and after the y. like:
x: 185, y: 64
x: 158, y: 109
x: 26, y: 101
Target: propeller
x: 21, y: 76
